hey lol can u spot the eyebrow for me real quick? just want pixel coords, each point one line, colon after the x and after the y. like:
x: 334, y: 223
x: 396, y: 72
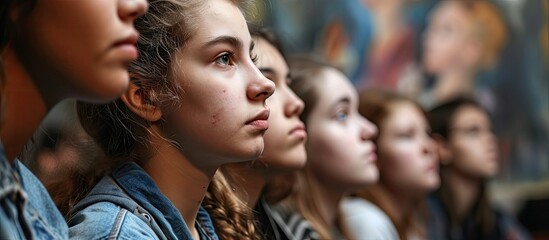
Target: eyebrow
x: 342, y: 100
x: 267, y: 70
x: 235, y: 42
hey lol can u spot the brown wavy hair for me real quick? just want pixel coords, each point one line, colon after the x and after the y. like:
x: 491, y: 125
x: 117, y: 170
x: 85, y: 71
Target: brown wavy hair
x: 164, y: 29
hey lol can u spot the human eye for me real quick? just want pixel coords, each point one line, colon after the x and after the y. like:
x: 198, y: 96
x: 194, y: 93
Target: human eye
x: 473, y: 131
x: 289, y: 80
x: 224, y: 59
x: 341, y: 115
x: 406, y: 134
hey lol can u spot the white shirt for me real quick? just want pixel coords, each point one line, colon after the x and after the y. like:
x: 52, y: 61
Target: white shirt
x: 365, y: 220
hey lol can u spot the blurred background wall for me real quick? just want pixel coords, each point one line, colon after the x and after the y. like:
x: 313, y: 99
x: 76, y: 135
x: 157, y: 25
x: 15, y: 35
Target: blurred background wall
x: 383, y: 43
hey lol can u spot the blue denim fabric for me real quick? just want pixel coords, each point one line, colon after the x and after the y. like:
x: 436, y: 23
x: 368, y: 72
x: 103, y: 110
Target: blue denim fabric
x: 127, y: 204
x: 26, y: 209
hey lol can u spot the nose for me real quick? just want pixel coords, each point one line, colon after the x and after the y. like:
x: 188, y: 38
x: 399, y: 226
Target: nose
x: 368, y: 129
x: 490, y: 138
x: 294, y: 105
x: 260, y: 88
x: 129, y: 10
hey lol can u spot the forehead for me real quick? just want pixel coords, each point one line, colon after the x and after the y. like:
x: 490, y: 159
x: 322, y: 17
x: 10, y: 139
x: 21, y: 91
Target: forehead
x: 468, y: 114
x: 269, y: 56
x: 403, y: 112
x: 332, y: 86
x: 450, y: 12
x: 220, y: 18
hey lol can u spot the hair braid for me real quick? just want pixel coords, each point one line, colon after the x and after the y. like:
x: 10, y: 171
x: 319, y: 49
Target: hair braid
x: 232, y: 217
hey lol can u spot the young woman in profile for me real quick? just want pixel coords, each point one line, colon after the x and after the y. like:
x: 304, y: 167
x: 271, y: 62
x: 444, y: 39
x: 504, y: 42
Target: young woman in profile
x: 51, y: 51
x: 394, y: 208
x: 242, y: 185
x: 196, y: 101
x: 340, y: 151
x: 468, y: 153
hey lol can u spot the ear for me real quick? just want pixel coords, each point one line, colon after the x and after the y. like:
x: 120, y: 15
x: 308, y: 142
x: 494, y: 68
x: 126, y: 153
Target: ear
x: 443, y: 152
x: 137, y: 100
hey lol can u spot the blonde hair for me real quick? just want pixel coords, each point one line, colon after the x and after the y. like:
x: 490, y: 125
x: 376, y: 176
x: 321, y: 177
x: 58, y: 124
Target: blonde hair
x: 488, y: 27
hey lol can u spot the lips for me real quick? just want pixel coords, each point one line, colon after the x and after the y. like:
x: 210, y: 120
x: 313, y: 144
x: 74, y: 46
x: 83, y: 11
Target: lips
x: 299, y: 131
x: 370, y: 154
x: 432, y: 167
x: 260, y: 120
x: 128, y: 45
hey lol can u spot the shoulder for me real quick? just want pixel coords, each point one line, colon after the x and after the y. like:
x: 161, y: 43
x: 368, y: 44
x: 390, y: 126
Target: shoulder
x: 367, y: 221
x: 363, y: 210
x: 104, y: 220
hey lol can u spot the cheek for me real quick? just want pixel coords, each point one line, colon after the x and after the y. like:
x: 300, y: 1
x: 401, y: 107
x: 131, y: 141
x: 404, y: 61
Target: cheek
x: 330, y: 144
x: 323, y: 152
x: 401, y: 163
x: 467, y: 156
x: 335, y: 158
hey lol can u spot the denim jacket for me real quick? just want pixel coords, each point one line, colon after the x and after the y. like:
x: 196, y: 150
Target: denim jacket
x: 127, y: 204
x: 26, y: 209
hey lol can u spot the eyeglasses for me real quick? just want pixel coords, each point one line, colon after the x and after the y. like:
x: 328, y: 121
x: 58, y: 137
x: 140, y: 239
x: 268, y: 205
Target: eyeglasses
x: 471, y: 131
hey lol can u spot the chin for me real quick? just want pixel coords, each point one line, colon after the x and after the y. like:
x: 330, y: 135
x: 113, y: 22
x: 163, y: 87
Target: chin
x: 433, y: 184
x: 106, y: 92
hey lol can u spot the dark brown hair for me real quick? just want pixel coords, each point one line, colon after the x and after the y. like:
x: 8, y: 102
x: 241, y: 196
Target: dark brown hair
x: 124, y: 136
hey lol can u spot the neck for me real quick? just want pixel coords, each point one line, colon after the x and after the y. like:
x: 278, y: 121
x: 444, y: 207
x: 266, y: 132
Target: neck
x: 253, y: 181
x: 454, y: 83
x: 464, y: 190
x: 400, y: 204
x: 24, y: 107
x: 183, y: 183
x: 328, y: 200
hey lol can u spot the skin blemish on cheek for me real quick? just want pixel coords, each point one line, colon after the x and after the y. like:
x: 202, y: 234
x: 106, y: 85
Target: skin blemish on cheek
x: 215, y: 119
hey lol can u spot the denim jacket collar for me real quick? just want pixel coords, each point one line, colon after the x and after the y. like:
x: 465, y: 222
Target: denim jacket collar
x: 140, y: 187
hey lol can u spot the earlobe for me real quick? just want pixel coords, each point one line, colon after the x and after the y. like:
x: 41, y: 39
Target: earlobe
x: 137, y: 100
